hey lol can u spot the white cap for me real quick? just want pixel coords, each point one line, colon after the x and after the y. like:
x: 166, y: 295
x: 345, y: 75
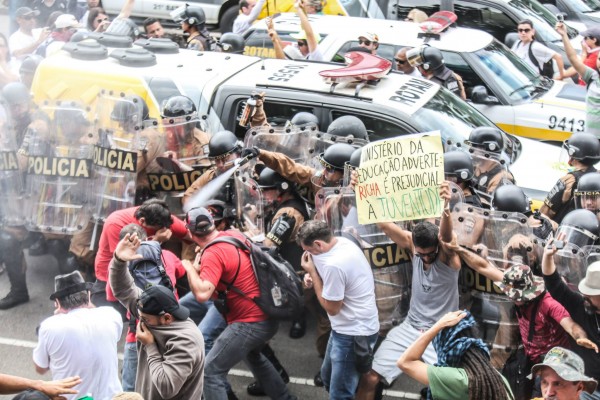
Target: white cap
x: 66, y: 21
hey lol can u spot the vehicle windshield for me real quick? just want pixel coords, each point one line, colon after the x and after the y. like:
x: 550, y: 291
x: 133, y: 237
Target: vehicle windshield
x: 584, y: 6
x: 455, y: 119
x: 543, y: 20
x: 511, y: 74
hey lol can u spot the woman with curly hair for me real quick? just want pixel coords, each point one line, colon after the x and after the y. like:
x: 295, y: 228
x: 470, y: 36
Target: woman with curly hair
x: 463, y: 370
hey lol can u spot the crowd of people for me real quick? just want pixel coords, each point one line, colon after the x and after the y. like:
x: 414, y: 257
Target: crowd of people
x: 164, y: 271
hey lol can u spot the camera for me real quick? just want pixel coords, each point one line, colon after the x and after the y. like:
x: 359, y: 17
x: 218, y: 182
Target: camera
x: 560, y: 17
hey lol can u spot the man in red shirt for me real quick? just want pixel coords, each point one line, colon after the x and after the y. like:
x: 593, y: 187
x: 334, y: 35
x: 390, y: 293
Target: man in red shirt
x: 156, y: 219
x: 248, y: 327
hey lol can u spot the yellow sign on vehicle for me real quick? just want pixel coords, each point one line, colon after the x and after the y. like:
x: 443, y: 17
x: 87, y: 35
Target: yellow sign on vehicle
x: 272, y: 7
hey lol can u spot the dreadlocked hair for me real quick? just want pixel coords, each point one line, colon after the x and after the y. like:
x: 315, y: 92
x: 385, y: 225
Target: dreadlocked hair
x: 485, y: 383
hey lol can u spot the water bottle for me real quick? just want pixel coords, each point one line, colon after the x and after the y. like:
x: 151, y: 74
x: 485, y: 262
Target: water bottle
x: 276, y: 295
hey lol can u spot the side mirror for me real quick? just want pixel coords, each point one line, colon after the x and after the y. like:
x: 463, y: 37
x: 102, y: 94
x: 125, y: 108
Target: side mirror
x: 480, y: 95
x: 510, y: 39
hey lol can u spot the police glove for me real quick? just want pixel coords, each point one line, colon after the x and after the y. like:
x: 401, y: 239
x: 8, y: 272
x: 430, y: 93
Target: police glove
x: 282, y: 229
x: 250, y: 153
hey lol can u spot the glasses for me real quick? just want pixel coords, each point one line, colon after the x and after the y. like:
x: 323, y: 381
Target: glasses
x: 427, y: 255
x: 399, y: 61
x: 101, y: 20
x: 364, y: 41
x: 526, y: 30
x: 301, y: 43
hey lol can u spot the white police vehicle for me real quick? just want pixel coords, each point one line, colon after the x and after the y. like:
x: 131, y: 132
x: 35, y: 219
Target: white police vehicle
x: 497, y: 82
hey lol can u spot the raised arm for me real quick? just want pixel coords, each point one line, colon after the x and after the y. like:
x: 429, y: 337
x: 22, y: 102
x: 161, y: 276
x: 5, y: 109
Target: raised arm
x: 311, y: 39
x: 577, y: 333
x: 576, y: 62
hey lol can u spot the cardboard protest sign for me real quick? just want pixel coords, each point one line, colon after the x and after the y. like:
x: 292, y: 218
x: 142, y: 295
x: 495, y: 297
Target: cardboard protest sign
x: 399, y: 179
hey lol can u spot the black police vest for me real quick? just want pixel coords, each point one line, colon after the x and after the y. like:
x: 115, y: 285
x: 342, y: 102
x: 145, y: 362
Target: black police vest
x: 569, y: 206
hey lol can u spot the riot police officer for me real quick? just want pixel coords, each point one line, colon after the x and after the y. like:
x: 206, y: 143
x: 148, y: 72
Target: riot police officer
x: 587, y: 193
x: 486, y: 145
x: 430, y: 63
x: 583, y: 150
x: 579, y: 228
x: 348, y: 126
x: 231, y: 43
x: 193, y: 20
x: 458, y: 168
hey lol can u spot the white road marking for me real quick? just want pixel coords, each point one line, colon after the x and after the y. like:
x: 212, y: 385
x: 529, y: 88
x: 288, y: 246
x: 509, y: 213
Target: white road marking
x: 234, y: 372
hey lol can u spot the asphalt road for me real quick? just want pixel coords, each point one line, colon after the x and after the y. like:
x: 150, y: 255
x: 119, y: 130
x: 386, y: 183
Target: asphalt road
x: 17, y: 334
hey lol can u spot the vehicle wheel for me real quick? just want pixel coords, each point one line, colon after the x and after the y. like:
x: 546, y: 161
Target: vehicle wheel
x: 226, y: 24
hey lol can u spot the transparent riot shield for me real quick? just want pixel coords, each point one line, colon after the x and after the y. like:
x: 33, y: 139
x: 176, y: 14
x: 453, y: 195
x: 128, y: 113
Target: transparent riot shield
x: 488, y: 167
x: 321, y: 142
x: 119, y: 124
x: 571, y: 262
x: 296, y: 143
x: 249, y: 203
x: 184, y: 158
x: 11, y: 176
x: 391, y: 265
x: 59, y: 170
x: 491, y: 233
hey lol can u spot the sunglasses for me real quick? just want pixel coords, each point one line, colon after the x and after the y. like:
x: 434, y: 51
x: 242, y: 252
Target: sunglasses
x: 101, y: 20
x: 427, y: 255
x: 301, y: 43
x: 526, y: 30
x: 364, y: 41
x: 400, y: 62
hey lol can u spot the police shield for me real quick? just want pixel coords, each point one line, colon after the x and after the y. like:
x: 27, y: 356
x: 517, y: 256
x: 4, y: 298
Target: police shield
x: 182, y: 160
x: 489, y: 168
x: 391, y: 265
x: 249, y: 203
x: 119, y: 124
x: 571, y: 262
x: 296, y: 143
x: 11, y: 177
x: 59, y: 170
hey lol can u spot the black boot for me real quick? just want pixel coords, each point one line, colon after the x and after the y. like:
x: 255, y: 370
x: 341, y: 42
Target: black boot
x: 37, y: 244
x: 255, y: 389
x: 14, y: 260
x: 318, y: 380
x: 59, y: 248
x: 298, y: 328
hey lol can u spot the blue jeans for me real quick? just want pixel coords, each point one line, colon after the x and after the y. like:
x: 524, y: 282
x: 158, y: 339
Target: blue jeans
x: 338, y: 371
x: 130, y: 362
x: 197, y: 310
x: 243, y: 341
x: 211, y: 327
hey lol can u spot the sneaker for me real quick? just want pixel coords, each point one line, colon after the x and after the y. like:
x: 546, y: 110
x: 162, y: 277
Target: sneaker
x: 255, y: 389
x: 318, y: 380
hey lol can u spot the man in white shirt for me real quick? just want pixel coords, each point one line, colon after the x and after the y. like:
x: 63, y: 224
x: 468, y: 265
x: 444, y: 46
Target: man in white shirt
x: 80, y: 340
x: 541, y: 53
x: 249, y: 11
x: 344, y: 285
x: 24, y: 42
x: 402, y: 64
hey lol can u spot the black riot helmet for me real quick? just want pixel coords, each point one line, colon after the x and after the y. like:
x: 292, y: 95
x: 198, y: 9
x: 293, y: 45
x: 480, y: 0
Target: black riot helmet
x: 584, y: 147
x: 458, y: 164
x: 486, y: 138
x: 129, y: 107
x: 579, y: 227
x: 587, y: 193
x: 348, y: 125
x: 336, y: 156
x: 354, y: 161
x: 30, y: 63
x: 222, y: 144
x: 511, y: 198
x: 15, y: 93
x: 270, y: 179
x: 179, y: 106
x: 304, y: 119
x: 429, y: 58
x: 231, y: 43
x: 193, y: 15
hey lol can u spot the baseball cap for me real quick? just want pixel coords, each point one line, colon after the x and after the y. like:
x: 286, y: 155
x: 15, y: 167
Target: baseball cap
x: 66, y: 21
x: 592, y: 32
x: 157, y: 300
x: 199, y: 221
x: 26, y: 12
x: 568, y: 365
x: 302, y: 35
x: 369, y: 36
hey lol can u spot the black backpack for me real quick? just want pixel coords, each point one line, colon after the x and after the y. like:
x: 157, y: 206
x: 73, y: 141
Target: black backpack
x: 546, y: 69
x: 149, y: 270
x: 281, y: 295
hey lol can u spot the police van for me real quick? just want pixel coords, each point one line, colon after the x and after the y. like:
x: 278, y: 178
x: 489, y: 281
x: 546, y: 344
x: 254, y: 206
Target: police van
x: 497, y: 82
x: 220, y: 85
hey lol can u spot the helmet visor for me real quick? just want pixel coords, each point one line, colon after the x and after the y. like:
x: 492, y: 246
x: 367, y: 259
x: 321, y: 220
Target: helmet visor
x: 588, y: 201
x: 576, y: 236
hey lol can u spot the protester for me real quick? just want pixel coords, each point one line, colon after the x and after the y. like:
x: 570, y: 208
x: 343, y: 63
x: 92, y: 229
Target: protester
x: 249, y: 11
x: 10, y: 384
x: 171, y: 348
x: 80, y: 339
x: 463, y: 369
x: 369, y: 41
x: 97, y: 20
x: 562, y: 376
x: 153, y: 28
x: 24, y: 41
x: 307, y: 47
x: 47, y: 7
x: 343, y: 282
x: 533, y: 52
x: 402, y: 64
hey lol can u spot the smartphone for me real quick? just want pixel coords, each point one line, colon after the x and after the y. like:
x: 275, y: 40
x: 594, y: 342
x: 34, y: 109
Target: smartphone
x: 560, y: 17
x: 559, y: 244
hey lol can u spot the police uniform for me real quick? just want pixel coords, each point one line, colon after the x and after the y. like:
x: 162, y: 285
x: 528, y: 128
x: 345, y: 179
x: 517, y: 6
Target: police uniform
x: 448, y: 79
x: 201, y: 41
x: 559, y: 201
x: 487, y: 182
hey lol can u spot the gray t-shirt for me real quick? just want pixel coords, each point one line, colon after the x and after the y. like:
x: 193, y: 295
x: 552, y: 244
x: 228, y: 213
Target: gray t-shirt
x: 434, y: 293
x: 592, y: 101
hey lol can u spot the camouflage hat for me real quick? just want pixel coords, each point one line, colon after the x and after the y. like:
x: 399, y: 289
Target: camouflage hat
x: 520, y: 284
x: 568, y: 365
